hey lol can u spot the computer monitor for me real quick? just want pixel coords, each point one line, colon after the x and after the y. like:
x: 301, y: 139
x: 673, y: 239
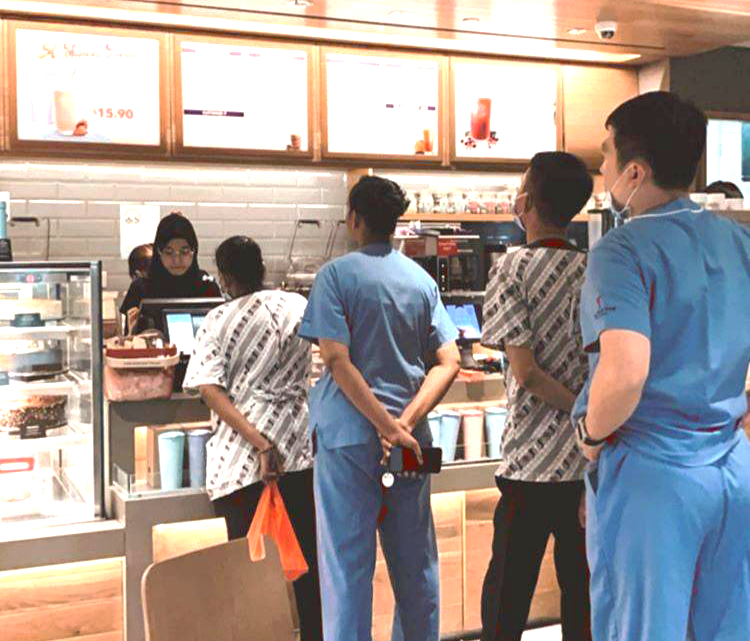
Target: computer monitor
x: 182, y: 327
x: 465, y: 319
x: 466, y: 314
x: 177, y: 318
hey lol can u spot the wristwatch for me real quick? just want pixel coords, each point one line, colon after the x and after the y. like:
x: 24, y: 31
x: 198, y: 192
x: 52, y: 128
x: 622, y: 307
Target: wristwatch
x: 583, y: 435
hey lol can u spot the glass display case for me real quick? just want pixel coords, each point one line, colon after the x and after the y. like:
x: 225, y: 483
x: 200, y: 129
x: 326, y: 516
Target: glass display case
x: 50, y: 393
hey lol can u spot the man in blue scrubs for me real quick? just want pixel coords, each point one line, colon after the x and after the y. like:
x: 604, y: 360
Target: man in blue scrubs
x: 664, y: 315
x: 379, y: 321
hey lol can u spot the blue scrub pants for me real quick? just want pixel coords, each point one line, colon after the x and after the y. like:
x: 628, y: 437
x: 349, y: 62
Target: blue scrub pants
x: 348, y: 500
x: 669, y: 547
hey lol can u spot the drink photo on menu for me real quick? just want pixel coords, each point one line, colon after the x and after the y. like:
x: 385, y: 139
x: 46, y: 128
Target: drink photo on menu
x: 397, y: 97
x: 490, y: 122
x: 87, y: 87
x: 235, y: 115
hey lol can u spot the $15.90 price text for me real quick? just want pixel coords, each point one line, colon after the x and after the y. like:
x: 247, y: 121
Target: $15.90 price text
x: 110, y: 113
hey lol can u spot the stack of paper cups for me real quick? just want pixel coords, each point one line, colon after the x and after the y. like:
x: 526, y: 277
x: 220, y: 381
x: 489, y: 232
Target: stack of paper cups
x: 197, y: 440
x: 434, y: 419
x: 495, y: 418
x: 449, y: 425
x: 473, y: 434
x: 171, y: 458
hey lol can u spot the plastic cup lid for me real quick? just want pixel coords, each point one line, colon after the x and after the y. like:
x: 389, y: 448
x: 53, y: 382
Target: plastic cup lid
x: 200, y: 432
x: 173, y: 434
x: 497, y: 410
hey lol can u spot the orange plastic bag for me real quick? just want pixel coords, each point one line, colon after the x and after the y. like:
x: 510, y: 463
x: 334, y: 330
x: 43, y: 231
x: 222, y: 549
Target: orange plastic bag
x: 271, y: 519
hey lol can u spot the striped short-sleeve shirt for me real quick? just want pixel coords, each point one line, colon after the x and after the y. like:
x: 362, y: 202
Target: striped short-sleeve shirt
x: 532, y: 301
x: 250, y: 348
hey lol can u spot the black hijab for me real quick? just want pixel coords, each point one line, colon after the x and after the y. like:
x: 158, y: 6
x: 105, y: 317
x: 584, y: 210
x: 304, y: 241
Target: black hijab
x: 160, y: 283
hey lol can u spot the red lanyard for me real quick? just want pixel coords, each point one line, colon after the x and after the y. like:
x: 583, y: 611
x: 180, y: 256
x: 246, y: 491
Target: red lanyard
x: 553, y: 243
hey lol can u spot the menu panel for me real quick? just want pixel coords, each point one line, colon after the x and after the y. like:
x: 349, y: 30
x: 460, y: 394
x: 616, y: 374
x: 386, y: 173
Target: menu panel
x: 382, y: 105
x: 79, y: 87
x: 503, y: 111
x: 243, y: 97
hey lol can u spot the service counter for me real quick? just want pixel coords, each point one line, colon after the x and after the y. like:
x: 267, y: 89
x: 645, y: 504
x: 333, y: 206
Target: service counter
x: 112, y: 555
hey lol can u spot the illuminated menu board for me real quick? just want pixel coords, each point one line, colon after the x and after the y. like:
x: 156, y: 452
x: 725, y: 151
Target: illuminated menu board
x: 503, y: 111
x: 382, y: 105
x: 78, y: 87
x: 244, y: 97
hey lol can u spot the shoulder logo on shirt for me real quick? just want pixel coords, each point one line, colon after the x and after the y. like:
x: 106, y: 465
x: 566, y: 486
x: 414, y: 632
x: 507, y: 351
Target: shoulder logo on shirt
x: 602, y: 310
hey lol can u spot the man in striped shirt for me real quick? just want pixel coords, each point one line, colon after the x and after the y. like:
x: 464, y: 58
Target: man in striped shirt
x: 530, y: 313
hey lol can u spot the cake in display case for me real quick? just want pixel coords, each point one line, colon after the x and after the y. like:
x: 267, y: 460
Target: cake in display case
x: 50, y: 394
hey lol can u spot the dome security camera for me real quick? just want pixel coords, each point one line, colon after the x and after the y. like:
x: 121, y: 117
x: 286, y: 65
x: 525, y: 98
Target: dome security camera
x: 606, y: 29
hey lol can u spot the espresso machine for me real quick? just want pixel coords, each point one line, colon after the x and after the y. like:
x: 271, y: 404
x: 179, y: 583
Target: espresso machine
x: 455, y: 261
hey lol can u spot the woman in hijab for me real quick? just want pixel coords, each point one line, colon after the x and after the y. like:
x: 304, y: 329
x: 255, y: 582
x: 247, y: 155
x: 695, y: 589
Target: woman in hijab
x: 174, y: 271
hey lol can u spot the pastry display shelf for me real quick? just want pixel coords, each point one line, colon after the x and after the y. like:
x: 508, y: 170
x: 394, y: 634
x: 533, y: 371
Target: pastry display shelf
x: 79, y: 380
x: 41, y: 333
x: 45, y: 517
x: 16, y: 389
x: 61, y: 505
x: 20, y: 448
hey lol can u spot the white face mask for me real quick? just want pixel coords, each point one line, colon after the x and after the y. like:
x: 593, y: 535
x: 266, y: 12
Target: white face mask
x: 624, y: 211
x: 514, y: 210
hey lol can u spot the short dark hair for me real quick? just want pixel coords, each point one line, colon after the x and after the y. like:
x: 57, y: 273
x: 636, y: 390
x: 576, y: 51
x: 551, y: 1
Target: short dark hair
x: 140, y: 259
x: 730, y: 190
x: 663, y: 130
x: 559, y: 185
x: 380, y: 202
x: 241, y: 258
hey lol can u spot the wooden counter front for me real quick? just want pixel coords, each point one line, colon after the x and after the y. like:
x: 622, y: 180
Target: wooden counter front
x: 63, y: 602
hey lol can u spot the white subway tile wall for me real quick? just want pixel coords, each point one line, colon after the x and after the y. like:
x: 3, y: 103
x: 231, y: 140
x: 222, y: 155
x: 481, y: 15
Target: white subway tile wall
x: 79, y: 203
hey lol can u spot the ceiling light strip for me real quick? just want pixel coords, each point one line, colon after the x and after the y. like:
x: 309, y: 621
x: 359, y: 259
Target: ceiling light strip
x: 494, y: 45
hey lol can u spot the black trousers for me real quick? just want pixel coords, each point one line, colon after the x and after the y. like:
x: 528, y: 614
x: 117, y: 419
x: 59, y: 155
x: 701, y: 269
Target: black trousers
x: 297, y: 491
x: 526, y: 515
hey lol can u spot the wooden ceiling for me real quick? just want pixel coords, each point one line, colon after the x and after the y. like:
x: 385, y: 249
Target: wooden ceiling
x: 652, y: 28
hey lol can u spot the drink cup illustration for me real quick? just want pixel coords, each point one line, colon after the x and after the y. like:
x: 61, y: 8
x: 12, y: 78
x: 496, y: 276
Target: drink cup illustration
x: 64, y: 111
x: 480, y: 119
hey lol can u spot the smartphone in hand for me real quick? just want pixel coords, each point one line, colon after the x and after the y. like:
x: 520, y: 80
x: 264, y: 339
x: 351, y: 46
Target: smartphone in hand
x: 404, y: 460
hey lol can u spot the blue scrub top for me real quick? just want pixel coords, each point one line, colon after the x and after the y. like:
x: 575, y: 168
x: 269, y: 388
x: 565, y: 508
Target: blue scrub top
x: 680, y: 276
x: 387, y: 310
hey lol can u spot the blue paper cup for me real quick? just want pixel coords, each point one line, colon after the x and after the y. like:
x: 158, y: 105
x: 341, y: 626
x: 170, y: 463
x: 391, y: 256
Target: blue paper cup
x: 197, y: 440
x: 494, y: 421
x: 434, y: 419
x: 171, y: 459
x: 450, y: 423
x: 3, y: 219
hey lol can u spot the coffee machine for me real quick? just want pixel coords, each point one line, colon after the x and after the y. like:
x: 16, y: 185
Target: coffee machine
x: 455, y: 261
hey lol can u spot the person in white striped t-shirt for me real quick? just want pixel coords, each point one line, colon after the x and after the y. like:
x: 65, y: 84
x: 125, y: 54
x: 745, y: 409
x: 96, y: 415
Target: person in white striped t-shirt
x: 252, y: 371
x: 530, y: 312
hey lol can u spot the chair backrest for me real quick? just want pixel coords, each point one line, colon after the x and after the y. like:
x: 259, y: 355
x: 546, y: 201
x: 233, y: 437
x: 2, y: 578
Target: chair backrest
x: 173, y: 539
x: 217, y: 594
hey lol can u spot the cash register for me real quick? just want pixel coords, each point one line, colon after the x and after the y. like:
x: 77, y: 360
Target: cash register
x: 179, y: 319
x: 466, y: 314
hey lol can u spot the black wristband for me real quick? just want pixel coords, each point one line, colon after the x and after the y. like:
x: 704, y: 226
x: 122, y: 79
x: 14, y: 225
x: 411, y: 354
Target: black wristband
x: 583, y: 435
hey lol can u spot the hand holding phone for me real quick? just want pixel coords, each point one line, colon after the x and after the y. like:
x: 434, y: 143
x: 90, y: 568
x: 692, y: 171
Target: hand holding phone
x: 404, y: 460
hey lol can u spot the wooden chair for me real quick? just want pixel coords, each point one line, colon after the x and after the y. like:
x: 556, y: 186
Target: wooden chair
x: 173, y: 539
x: 217, y: 594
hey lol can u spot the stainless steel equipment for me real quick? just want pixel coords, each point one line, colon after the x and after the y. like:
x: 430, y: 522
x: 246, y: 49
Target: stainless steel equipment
x: 301, y: 270
x: 455, y: 261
